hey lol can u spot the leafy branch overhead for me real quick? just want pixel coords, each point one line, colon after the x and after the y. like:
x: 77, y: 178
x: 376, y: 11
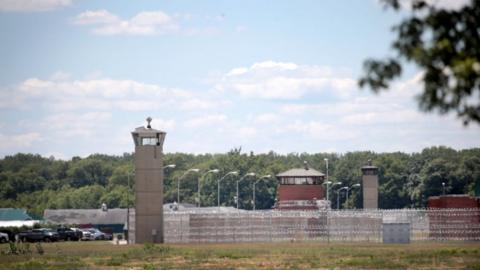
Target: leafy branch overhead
x: 445, y: 45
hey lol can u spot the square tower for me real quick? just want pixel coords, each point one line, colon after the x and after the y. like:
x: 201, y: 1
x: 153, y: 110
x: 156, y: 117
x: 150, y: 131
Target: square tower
x: 148, y: 184
x: 370, y: 186
x: 300, y: 189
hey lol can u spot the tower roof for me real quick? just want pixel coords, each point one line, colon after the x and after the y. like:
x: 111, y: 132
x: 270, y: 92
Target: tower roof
x: 301, y: 172
x: 147, y: 131
x: 369, y: 166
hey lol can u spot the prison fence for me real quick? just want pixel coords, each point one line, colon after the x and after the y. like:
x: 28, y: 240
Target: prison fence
x: 197, y: 226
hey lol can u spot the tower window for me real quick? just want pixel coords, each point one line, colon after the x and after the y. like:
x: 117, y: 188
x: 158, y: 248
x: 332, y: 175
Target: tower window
x: 149, y: 141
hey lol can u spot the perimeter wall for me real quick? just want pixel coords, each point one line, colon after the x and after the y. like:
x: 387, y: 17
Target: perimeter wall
x: 196, y: 226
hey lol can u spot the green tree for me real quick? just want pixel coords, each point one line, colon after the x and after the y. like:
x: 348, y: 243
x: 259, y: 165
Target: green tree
x: 445, y: 45
x: 89, y: 171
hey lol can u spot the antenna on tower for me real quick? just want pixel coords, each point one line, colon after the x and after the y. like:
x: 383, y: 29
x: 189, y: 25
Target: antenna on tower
x: 149, y: 119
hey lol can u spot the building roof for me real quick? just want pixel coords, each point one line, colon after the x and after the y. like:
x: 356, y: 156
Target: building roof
x: 147, y: 130
x: 11, y: 214
x: 301, y: 172
x: 144, y: 130
x: 369, y: 166
x: 98, y: 216
x: 85, y: 216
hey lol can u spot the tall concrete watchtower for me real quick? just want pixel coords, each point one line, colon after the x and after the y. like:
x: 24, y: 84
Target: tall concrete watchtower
x: 148, y: 184
x: 370, y: 186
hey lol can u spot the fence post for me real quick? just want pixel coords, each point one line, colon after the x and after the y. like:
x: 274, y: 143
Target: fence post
x: 328, y: 227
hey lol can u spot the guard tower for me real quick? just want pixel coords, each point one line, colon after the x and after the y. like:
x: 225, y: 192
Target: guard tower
x: 148, y: 184
x: 301, y: 189
x: 370, y: 186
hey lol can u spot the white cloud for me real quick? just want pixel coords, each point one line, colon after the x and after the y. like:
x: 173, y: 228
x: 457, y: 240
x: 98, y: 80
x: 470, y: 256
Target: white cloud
x: 143, y: 23
x: 266, y: 118
x: 217, y: 18
x: 95, y: 17
x: 64, y: 94
x: 18, y: 141
x: 198, y: 103
x: 60, y: 76
x: 282, y: 80
x: 68, y: 125
x: 78, y: 117
x: 247, y: 132
x: 163, y: 124
x: 32, y: 5
x: 206, y: 120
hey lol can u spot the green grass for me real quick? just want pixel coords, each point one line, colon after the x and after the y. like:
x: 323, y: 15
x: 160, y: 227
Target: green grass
x: 103, y: 255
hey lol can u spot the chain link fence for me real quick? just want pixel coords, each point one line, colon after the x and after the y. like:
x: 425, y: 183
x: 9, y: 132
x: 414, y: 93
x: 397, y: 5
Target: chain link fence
x: 202, y: 226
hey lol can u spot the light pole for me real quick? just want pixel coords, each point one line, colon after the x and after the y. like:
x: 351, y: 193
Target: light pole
x: 268, y: 176
x: 336, y: 184
x: 338, y: 197
x: 327, y: 182
x: 443, y: 185
x: 170, y: 166
x: 348, y: 189
x: 198, y: 187
x: 240, y: 180
x: 218, y: 185
x: 180, y: 178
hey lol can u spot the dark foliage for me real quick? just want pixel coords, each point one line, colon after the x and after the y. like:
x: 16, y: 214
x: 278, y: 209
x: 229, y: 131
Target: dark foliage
x: 445, y: 45
x: 406, y: 180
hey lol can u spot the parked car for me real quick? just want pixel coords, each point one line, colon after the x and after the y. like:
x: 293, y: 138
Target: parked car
x: 68, y: 234
x: 78, y: 232
x: 3, y: 237
x: 108, y: 236
x: 97, y: 234
x: 35, y: 235
x: 10, y: 234
x: 87, y: 235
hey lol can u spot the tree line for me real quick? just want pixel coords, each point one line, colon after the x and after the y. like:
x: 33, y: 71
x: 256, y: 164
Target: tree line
x: 405, y: 180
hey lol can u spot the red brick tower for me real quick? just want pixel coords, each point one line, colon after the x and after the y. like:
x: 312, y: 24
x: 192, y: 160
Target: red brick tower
x: 300, y: 189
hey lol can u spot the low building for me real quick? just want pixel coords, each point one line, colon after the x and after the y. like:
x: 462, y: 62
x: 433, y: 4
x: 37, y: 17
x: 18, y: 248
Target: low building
x: 107, y: 220
x: 453, y: 201
x: 453, y: 211
x: 301, y: 189
x: 16, y: 217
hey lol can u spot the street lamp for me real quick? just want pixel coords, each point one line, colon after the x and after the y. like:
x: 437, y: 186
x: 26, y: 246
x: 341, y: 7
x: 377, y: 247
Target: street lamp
x: 240, y: 180
x: 218, y: 185
x: 198, y: 183
x: 326, y: 165
x: 443, y: 185
x: 348, y: 189
x: 180, y: 178
x: 336, y: 184
x: 268, y: 176
x: 170, y: 166
x: 327, y: 183
x: 338, y: 197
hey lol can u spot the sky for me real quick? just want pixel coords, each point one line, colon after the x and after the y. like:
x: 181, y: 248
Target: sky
x: 77, y: 76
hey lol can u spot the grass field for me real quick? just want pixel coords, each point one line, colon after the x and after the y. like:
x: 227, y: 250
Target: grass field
x: 103, y: 255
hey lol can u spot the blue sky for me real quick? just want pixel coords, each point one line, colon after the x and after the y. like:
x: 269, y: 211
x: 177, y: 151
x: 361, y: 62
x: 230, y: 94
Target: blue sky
x: 78, y: 76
